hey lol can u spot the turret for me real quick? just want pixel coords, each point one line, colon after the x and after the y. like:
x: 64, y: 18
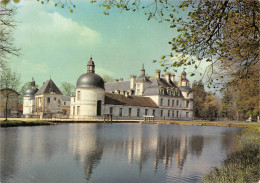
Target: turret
x: 91, y: 66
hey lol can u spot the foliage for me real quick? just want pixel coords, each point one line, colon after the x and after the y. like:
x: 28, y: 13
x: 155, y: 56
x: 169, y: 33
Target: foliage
x: 7, y: 25
x: 241, y: 165
x: 15, y: 123
x: 248, y: 97
x: 108, y: 78
x: 227, y: 108
x: 204, y: 103
x: 67, y: 89
x: 8, y: 80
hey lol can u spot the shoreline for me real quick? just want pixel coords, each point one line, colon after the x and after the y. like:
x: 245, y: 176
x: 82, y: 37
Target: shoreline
x: 16, y: 122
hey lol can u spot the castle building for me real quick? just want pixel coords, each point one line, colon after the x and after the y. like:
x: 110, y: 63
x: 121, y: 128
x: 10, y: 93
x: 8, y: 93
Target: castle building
x: 29, y: 100
x: 161, y: 97
x: 47, y: 101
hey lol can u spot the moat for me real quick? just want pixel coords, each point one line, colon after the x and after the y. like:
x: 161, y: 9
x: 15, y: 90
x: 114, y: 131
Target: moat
x: 113, y: 152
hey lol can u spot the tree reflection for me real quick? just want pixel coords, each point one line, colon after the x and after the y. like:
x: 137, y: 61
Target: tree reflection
x: 196, y: 144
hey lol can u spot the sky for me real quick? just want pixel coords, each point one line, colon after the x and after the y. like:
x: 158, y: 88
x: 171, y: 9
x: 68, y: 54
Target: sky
x: 58, y: 44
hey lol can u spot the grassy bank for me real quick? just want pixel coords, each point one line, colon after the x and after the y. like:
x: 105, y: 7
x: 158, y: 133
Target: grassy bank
x: 212, y: 123
x: 16, y: 123
x: 243, y: 165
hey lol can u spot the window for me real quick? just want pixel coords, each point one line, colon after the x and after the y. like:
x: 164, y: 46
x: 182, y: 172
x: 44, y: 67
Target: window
x: 64, y: 103
x: 187, y: 114
x: 187, y: 104
x: 111, y: 110
x: 161, y: 113
x: 161, y: 103
x: 168, y: 113
x: 188, y: 94
x: 173, y: 114
x: 177, y: 114
x: 168, y: 102
x: 154, y: 112
x: 74, y: 99
x: 146, y: 111
x: 172, y: 103
x: 177, y: 103
x: 58, y: 101
x: 78, y: 110
x: 74, y: 110
x: 120, y: 111
x: 54, y: 98
x: 48, y: 100
x: 138, y: 112
x: 129, y: 111
x: 78, y: 95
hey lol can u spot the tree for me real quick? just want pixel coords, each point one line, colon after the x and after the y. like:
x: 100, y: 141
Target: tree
x: 227, y: 108
x: 9, y: 81
x: 7, y: 25
x: 199, y: 95
x: 108, y: 78
x: 210, y: 107
x: 67, y: 88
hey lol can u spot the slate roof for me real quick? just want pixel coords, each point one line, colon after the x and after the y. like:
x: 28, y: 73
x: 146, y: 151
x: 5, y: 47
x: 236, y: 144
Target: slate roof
x: 117, y: 99
x: 154, y: 88
x: 185, y: 88
x: 118, y: 85
x: 142, y: 78
x: 48, y: 87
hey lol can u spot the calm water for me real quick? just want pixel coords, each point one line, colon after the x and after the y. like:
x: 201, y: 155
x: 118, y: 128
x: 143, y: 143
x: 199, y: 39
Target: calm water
x: 112, y: 152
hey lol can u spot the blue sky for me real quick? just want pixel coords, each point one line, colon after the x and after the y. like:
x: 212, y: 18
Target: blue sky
x: 59, y: 44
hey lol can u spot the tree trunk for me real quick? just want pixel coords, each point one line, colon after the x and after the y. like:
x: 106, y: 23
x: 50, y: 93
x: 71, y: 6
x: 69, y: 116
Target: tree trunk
x: 6, y: 105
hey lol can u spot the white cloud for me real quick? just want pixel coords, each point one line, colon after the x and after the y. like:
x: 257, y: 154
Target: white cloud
x: 55, y: 30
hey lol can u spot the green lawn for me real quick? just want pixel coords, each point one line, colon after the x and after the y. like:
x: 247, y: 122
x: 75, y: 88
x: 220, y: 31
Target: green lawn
x: 213, y: 123
x: 15, y: 123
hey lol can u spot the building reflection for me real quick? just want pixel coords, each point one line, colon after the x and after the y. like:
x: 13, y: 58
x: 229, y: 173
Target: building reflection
x: 88, y: 147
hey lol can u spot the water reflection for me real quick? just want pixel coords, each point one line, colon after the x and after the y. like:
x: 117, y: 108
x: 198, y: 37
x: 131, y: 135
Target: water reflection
x: 112, y: 152
x: 8, y: 154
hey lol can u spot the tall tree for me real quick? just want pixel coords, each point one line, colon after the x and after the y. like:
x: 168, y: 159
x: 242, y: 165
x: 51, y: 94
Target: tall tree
x: 67, y: 88
x: 9, y: 81
x: 7, y: 24
x: 199, y: 95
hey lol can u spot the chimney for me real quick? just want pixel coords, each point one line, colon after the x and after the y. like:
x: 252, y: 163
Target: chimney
x: 158, y: 73
x: 173, y: 78
x: 121, y: 79
x: 179, y: 81
x: 132, y: 81
x: 168, y: 77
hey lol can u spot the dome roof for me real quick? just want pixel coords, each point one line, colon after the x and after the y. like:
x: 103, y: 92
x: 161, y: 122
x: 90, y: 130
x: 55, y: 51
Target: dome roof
x: 90, y: 80
x: 29, y: 92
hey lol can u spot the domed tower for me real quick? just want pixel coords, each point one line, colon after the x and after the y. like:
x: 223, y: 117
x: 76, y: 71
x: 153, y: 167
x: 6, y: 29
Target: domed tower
x: 187, y: 94
x: 90, y: 94
x: 29, y: 100
x: 142, y: 82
